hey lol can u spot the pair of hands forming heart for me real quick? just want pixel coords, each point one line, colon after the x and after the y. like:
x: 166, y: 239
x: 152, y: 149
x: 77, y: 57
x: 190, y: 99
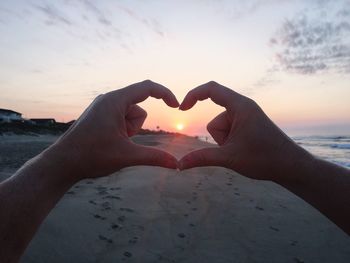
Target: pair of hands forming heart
x: 249, y: 141
x: 98, y: 144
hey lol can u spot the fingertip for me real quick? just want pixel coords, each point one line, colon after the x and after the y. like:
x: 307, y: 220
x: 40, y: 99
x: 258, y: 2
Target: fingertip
x: 171, y: 100
x: 171, y: 162
x: 183, y: 164
x: 162, y: 159
x: 183, y: 106
x: 175, y: 104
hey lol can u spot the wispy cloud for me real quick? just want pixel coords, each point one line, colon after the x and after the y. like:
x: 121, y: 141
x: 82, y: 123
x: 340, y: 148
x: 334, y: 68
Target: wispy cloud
x: 153, y: 24
x: 101, y: 17
x: 53, y: 15
x: 309, y: 44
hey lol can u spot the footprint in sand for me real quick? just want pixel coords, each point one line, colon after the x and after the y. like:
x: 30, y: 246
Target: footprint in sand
x: 274, y: 228
x: 192, y: 225
x: 99, y: 217
x: 106, y: 204
x: 89, y: 182
x: 121, y: 218
x: 229, y: 184
x: 115, y: 188
x: 238, y: 194
x: 112, y: 197
x: 293, y: 243
x: 92, y: 202
x: 181, y: 235
x: 105, y: 239
x: 259, y: 208
x: 127, y: 254
x: 126, y: 209
x: 116, y: 226
x: 298, y: 260
x: 133, y: 240
x: 70, y: 193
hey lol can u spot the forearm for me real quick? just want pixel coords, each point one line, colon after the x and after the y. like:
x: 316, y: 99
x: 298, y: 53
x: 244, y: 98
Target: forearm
x: 27, y: 197
x: 324, y: 185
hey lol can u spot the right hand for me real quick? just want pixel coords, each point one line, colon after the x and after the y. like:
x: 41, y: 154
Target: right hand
x: 250, y: 143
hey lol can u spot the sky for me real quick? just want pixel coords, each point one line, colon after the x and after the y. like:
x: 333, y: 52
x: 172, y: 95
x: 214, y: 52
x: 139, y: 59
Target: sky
x: 291, y: 57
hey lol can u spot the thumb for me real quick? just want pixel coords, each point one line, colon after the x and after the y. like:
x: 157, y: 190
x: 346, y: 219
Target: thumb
x: 203, y: 157
x: 143, y: 155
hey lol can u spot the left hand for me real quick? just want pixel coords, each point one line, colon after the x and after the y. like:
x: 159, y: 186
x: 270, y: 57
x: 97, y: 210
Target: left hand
x: 98, y: 142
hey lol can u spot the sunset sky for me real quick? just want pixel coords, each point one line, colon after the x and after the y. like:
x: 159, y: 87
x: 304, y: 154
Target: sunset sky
x: 292, y: 57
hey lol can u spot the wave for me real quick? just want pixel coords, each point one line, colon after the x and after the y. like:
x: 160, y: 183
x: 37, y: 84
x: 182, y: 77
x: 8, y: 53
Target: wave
x: 322, y: 138
x: 346, y: 164
x: 340, y: 146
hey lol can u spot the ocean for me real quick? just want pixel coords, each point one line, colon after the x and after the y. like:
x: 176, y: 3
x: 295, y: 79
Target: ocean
x: 335, y: 149
x: 332, y: 148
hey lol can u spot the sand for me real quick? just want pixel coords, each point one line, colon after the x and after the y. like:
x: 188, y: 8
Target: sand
x: 152, y: 214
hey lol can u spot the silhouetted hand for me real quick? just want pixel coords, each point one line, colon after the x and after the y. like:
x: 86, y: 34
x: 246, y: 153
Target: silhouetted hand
x: 250, y: 143
x: 98, y: 142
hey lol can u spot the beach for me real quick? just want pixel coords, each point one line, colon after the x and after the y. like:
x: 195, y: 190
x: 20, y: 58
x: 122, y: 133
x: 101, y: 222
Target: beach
x: 153, y: 214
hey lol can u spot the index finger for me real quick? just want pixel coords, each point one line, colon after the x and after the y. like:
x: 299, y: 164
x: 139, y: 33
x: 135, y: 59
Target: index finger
x: 219, y: 94
x: 140, y: 91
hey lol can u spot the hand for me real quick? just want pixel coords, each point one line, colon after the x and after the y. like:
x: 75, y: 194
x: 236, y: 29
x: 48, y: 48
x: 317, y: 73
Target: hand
x: 250, y: 143
x: 98, y: 142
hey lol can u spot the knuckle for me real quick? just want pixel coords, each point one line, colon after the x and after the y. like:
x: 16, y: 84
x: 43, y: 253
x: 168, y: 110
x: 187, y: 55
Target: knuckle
x: 210, y: 126
x: 144, y: 113
x: 249, y: 104
x: 100, y: 96
x: 147, y: 82
x: 212, y: 83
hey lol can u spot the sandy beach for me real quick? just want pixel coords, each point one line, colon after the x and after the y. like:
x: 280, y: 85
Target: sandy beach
x: 152, y: 214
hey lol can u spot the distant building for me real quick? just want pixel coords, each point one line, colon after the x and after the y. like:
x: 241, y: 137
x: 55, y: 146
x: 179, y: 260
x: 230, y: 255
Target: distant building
x: 10, y: 116
x: 43, y: 122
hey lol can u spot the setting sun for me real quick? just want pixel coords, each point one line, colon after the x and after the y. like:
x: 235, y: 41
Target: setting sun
x: 180, y: 126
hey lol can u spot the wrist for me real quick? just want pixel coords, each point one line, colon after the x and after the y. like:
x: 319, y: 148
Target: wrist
x: 65, y: 162
x: 296, y: 163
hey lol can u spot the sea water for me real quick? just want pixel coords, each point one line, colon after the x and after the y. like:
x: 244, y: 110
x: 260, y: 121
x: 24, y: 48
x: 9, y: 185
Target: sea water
x: 332, y: 148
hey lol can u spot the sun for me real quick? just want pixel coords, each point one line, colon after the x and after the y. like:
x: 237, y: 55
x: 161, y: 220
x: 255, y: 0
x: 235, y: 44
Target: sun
x: 180, y: 126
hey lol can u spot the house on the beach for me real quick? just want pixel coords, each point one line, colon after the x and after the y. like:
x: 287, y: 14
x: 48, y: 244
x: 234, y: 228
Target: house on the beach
x: 10, y: 116
x: 43, y: 122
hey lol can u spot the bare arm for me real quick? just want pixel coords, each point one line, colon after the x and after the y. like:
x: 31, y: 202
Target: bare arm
x: 96, y: 145
x: 251, y: 144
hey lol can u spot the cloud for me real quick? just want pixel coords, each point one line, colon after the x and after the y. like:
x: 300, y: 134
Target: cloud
x: 101, y: 18
x: 310, y: 44
x: 54, y: 16
x: 153, y: 24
